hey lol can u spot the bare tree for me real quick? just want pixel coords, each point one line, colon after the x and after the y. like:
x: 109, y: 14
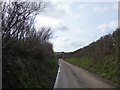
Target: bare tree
x: 44, y: 34
x: 18, y: 19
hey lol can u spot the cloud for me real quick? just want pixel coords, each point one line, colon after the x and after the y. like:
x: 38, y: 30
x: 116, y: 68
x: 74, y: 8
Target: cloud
x: 54, y: 23
x: 54, y: 16
x: 62, y: 26
x: 82, y: 6
x: 61, y: 9
x: 65, y: 7
x: 76, y: 0
x: 46, y: 21
x: 60, y: 43
x: 101, y: 9
x: 108, y: 27
x: 71, y: 40
x: 70, y: 43
x: 104, y: 8
x: 74, y: 25
x: 115, y: 6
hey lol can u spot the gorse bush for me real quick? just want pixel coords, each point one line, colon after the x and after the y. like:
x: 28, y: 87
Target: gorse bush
x: 27, y: 53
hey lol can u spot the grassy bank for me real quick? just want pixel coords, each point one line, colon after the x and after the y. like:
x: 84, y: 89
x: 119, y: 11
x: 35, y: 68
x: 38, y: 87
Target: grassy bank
x: 106, y: 68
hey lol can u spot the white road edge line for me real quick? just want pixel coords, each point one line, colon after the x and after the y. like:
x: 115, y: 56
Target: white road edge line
x: 56, y: 81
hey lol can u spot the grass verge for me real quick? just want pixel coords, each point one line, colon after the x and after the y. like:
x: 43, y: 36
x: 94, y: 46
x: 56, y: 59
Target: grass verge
x: 106, y: 68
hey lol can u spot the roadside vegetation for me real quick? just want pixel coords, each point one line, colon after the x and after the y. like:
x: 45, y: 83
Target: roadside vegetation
x: 28, y: 60
x: 100, y: 57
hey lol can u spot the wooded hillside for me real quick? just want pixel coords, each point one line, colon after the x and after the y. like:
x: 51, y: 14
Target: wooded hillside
x: 101, y: 56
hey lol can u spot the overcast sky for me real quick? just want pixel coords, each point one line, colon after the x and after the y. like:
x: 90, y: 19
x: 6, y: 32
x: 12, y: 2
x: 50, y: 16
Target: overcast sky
x: 77, y: 24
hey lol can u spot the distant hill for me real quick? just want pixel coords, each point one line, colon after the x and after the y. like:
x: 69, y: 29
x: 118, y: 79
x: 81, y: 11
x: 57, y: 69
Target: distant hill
x: 106, y: 45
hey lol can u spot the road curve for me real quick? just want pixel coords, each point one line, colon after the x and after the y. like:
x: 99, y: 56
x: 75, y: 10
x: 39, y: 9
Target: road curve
x: 71, y: 76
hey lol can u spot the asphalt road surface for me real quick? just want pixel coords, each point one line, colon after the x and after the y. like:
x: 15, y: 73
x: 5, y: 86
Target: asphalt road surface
x: 71, y: 76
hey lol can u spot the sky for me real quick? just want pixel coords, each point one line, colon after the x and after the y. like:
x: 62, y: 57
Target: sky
x: 77, y: 24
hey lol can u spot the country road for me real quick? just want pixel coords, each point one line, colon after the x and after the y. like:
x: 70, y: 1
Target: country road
x: 71, y: 76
